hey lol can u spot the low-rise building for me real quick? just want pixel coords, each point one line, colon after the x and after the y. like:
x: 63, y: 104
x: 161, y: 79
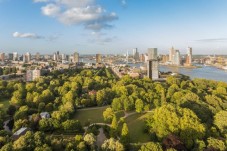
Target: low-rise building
x: 20, y: 132
x: 44, y: 115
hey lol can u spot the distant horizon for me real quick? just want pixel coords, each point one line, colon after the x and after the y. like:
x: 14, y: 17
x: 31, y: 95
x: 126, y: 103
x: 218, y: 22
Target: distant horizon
x: 109, y: 53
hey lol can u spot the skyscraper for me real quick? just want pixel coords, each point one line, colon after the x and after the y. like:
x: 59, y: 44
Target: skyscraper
x: 136, y: 55
x: 177, y: 58
x: 15, y: 56
x: 76, y: 57
x: 127, y: 56
x: 98, y: 58
x: 171, y: 54
x: 134, y: 52
x: 152, y: 64
x: 189, y: 56
x: 27, y: 57
x: 63, y: 56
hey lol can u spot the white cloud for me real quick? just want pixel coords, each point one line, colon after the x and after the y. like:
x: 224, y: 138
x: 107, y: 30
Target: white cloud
x: 79, y: 15
x: 76, y: 3
x: 51, y: 10
x: 27, y: 35
x: 101, y: 38
x: 74, y: 12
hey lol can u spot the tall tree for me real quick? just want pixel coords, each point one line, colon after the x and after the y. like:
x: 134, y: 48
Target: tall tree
x: 125, y: 138
x: 139, y: 105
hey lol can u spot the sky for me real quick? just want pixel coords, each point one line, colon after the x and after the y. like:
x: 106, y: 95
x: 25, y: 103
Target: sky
x: 113, y: 26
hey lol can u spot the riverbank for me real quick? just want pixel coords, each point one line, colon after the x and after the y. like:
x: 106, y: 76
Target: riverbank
x: 188, y: 67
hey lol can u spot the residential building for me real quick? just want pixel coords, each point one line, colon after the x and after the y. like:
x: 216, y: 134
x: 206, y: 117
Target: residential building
x: 177, y: 58
x: 189, y: 56
x: 31, y: 75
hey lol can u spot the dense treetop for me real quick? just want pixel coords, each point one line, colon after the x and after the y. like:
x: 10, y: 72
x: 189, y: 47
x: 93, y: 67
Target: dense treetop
x: 188, y: 113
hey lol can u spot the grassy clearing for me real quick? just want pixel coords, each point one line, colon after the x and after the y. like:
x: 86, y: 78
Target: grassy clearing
x: 5, y: 103
x: 90, y: 115
x: 136, y: 128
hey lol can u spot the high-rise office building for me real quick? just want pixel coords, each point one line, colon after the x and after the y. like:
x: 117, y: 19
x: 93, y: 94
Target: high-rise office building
x: 152, y: 53
x: 152, y: 69
x: 98, y: 58
x: 76, y: 57
x: 134, y: 52
x: 136, y: 55
x: 15, y: 56
x: 152, y: 64
x: 2, y: 57
x: 172, y: 53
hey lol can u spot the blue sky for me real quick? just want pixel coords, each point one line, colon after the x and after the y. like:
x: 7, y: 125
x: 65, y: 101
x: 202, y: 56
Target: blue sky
x: 113, y: 26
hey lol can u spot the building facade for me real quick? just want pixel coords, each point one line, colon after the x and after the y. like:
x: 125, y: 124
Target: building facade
x: 31, y: 75
x: 2, y: 57
x: 152, y: 64
x: 98, y: 58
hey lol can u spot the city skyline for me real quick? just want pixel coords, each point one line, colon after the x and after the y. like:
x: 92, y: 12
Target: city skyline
x: 98, y: 26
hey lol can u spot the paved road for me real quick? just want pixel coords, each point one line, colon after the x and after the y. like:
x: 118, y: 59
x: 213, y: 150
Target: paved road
x: 6, y: 127
x: 101, y: 137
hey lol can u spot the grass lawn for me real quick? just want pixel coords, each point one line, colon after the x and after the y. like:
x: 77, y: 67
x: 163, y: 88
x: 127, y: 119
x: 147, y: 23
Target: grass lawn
x: 92, y: 115
x: 136, y: 125
x: 5, y: 103
x: 120, y: 114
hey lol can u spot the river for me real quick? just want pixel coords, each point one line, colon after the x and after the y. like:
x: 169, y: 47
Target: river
x: 205, y: 72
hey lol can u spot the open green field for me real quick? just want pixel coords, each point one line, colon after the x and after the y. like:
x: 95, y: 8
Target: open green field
x: 93, y: 115
x: 136, y: 125
x: 5, y: 103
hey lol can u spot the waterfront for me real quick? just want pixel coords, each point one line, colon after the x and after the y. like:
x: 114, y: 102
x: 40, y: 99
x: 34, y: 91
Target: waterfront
x: 205, y: 72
